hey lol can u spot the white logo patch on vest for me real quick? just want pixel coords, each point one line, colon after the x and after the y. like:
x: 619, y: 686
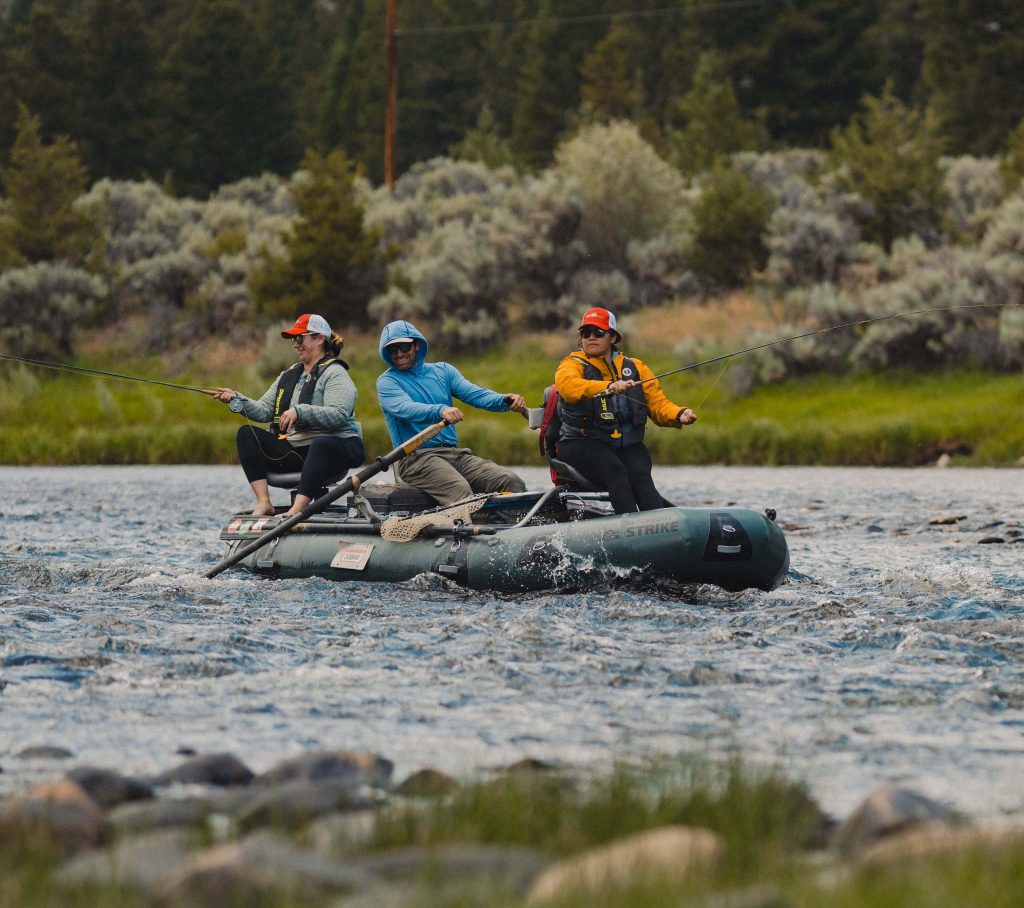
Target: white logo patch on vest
x: 626, y: 372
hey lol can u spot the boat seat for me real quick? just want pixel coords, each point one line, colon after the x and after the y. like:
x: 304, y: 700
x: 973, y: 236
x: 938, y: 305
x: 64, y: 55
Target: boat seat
x: 385, y: 498
x: 565, y: 475
x: 290, y: 481
x: 571, y: 478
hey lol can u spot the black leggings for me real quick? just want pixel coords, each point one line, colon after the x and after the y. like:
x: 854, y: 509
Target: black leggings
x: 261, y: 452
x: 624, y: 472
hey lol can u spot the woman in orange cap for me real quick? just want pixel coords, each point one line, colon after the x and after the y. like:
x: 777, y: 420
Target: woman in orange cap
x: 311, y: 411
x: 603, y: 436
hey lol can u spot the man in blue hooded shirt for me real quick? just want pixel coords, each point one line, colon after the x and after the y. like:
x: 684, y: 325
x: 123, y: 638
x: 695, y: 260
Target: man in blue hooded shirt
x: 415, y: 394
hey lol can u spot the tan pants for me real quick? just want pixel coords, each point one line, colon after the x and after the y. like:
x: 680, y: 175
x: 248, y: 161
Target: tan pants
x: 451, y: 474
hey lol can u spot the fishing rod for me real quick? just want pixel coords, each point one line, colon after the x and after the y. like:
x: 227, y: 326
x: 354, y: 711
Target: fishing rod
x: 784, y: 340
x: 82, y: 370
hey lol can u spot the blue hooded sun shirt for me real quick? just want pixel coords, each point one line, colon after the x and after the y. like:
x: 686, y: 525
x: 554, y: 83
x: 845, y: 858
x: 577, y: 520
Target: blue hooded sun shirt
x: 413, y: 400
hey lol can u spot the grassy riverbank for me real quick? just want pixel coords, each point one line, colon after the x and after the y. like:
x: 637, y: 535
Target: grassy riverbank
x: 882, y: 419
x: 681, y: 833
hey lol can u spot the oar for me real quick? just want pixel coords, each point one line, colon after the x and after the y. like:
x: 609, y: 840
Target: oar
x: 350, y: 484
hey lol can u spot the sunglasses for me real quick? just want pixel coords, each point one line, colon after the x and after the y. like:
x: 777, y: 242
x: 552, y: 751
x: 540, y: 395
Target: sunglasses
x: 400, y: 348
x: 300, y: 338
x: 592, y: 332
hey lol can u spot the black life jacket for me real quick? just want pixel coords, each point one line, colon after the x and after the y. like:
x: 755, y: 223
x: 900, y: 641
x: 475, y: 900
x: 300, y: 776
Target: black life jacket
x: 291, y: 376
x: 619, y: 419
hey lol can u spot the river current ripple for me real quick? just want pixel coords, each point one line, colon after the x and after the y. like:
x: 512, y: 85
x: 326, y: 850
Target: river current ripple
x: 892, y: 654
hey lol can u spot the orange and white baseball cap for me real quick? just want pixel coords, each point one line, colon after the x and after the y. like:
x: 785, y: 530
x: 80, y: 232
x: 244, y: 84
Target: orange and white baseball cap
x: 308, y: 324
x: 601, y: 318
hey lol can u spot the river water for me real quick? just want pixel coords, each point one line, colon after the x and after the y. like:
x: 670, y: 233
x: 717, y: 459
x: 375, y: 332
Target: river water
x: 892, y: 654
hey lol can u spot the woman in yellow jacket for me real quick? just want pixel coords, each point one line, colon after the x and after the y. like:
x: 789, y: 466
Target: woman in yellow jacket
x: 603, y: 437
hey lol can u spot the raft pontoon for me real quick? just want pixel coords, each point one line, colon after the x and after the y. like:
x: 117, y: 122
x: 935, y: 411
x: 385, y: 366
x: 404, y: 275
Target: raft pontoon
x: 558, y: 539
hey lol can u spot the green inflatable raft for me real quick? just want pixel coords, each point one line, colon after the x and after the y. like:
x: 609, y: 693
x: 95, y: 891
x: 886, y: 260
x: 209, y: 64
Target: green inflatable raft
x: 531, y: 541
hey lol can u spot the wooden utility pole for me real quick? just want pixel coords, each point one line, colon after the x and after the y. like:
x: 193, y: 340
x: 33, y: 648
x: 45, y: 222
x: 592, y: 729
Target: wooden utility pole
x: 391, y: 52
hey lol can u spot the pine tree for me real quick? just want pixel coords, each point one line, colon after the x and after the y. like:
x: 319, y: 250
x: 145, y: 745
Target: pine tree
x: 540, y: 113
x: 974, y: 55
x: 485, y: 143
x: 714, y: 125
x: 225, y: 116
x: 332, y: 263
x: 43, y: 68
x: 608, y: 84
x: 890, y: 157
x: 352, y: 116
x: 117, y: 94
x: 41, y: 184
x: 806, y: 65
x: 300, y: 35
x: 437, y: 75
x: 730, y: 221
x: 547, y: 82
x: 1012, y: 161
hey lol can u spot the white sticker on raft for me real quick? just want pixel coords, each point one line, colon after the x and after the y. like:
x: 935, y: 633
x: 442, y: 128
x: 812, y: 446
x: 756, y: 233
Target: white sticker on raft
x: 352, y: 555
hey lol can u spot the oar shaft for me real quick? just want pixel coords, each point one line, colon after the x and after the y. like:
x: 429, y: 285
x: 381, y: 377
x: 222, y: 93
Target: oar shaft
x: 349, y: 484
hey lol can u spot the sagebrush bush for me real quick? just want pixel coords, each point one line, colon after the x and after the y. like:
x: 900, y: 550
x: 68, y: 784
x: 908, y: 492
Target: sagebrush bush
x: 775, y: 170
x: 626, y: 192
x: 1005, y: 233
x: 191, y: 261
x: 942, y: 307
x: 41, y: 305
x: 808, y: 243
x: 890, y: 157
x: 973, y: 188
x: 267, y: 193
x: 164, y: 279
x: 812, y: 235
x: 473, y: 241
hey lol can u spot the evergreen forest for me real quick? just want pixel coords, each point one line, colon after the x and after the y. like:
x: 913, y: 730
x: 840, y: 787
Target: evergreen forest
x: 213, y: 164
x: 201, y: 93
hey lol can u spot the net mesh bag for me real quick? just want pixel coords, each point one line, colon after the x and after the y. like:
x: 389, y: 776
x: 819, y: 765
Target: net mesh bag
x: 405, y: 529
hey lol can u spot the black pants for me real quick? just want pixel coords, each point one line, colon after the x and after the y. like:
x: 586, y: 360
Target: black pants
x: 624, y: 472
x: 261, y: 452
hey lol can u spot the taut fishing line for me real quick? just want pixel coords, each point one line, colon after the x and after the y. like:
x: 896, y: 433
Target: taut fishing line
x: 784, y: 340
x: 82, y: 370
x: 118, y: 376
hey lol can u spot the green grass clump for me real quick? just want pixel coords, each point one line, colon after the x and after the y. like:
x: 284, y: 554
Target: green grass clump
x: 759, y: 815
x: 774, y: 837
x: 28, y: 863
x: 992, y: 877
x: 774, y: 842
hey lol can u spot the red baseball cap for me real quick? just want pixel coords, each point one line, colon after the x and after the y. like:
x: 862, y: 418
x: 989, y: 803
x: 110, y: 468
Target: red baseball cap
x: 308, y: 324
x: 601, y: 318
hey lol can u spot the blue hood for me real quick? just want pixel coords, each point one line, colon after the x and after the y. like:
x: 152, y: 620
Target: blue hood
x: 394, y: 330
